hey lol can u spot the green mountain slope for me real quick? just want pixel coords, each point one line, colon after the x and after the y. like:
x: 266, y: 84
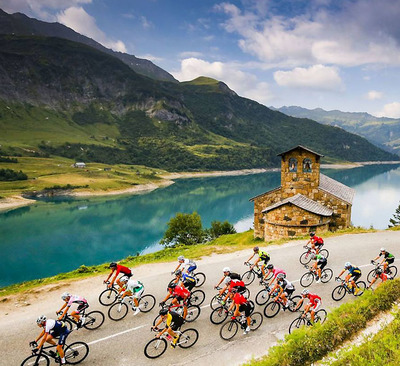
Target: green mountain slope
x: 383, y: 132
x: 64, y: 98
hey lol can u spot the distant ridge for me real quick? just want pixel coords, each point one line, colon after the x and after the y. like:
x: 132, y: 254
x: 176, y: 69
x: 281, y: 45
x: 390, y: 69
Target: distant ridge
x: 22, y: 25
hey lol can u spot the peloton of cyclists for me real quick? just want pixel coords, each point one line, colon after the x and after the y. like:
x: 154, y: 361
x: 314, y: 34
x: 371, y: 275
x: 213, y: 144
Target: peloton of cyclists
x: 313, y: 305
x: 353, y: 276
x: 263, y: 259
x: 387, y: 259
x: 132, y: 288
x: 68, y: 301
x: 117, y: 268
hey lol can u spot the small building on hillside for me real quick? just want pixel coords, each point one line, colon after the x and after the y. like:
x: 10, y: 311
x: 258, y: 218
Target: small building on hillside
x: 305, y: 201
x: 80, y: 165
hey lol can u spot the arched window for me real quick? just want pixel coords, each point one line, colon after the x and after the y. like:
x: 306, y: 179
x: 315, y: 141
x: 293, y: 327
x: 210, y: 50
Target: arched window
x: 292, y: 165
x: 307, y: 166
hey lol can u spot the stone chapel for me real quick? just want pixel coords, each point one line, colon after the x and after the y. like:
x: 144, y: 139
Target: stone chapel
x: 305, y: 201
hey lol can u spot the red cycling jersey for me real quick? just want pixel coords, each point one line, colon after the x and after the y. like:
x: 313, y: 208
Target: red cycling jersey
x: 234, y: 284
x: 317, y: 240
x: 123, y: 269
x: 181, y: 292
x: 239, y: 299
x: 313, y: 299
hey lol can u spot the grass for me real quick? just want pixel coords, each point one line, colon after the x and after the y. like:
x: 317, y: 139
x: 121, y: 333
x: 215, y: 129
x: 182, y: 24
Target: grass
x: 224, y: 244
x: 48, y: 172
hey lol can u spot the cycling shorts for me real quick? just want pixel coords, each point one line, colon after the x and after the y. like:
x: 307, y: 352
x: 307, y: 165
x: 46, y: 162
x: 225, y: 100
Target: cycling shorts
x: 264, y: 259
x: 82, y: 307
x: 389, y: 260
x: 192, y: 268
x: 355, y: 276
x: 125, y: 274
x: 138, y: 294
x: 179, y: 298
x: 322, y: 263
x: 189, y: 285
x: 316, y: 306
x: 61, y: 335
x: 319, y: 245
x: 288, y: 292
x: 247, y: 308
x: 176, y: 323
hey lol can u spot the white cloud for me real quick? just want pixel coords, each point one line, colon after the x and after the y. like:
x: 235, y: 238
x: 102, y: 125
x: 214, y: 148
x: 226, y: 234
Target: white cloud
x: 374, y: 95
x: 391, y: 110
x: 317, y: 77
x: 80, y: 21
x: 146, y: 24
x: 245, y: 84
x: 190, y: 54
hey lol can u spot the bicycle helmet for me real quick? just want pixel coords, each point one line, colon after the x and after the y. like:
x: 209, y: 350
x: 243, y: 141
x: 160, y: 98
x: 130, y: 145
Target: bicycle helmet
x: 383, y: 250
x: 112, y: 265
x: 124, y: 279
x: 312, y: 234
x: 305, y: 292
x: 226, y: 269
x: 379, y: 271
x: 347, y: 265
x: 163, y: 311
x: 181, y: 258
x: 41, y: 319
x: 256, y: 249
x: 280, y: 276
x: 270, y: 266
x: 172, y: 286
x: 65, y: 295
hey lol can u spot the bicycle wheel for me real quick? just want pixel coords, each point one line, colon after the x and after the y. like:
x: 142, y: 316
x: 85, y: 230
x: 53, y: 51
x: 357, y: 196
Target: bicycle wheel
x: 94, y: 320
x: 391, y: 271
x: 188, y: 338
x: 307, y: 279
x: 271, y: 274
x: 218, y: 315
x: 118, y: 311
x: 326, y: 275
x: 76, y: 352
x: 256, y: 321
x: 171, y: 282
x: 68, y: 323
x: 338, y: 293
x: 371, y: 275
x: 200, y: 279
x: 215, y: 302
x: 320, y: 316
x: 162, y: 324
x: 305, y: 258
x: 229, y: 330
x: 147, y: 303
x: 248, y: 278
x: 293, y: 303
x: 193, y: 312
x: 197, y: 297
x: 361, y: 286
x: 272, y: 309
x: 108, y: 297
x: 324, y: 252
x: 246, y: 293
x: 296, y: 324
x: 262, y: 297
x: 36, y: 360
x: 155, y: 348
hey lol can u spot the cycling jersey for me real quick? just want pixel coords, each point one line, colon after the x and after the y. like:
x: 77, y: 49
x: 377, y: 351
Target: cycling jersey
x: 286, y: 285
x: 239, y: 299
x: 276, y: 271
x: 354, y: 271
x: 314, y: 299
x: 387, y: 255
x: 57, y: 328
x: 174, y: 320
x: 235, y: 276
x: 317, y: 240
x: 125, y: 270
x: 74, y: 299
x: 320, y: 257
x: 180, y: 292
x: 188, y: 281
x: 134, y: 286
x: 189, y: 264
x: 264, y: 256
x: 236, y: 284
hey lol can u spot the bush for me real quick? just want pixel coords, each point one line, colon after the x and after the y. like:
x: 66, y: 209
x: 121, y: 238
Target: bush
x: 219, y: 228
x: 10, y: 175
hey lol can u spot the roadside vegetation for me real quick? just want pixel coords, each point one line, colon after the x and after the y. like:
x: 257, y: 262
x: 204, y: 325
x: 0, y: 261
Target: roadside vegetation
x: 310, y: 344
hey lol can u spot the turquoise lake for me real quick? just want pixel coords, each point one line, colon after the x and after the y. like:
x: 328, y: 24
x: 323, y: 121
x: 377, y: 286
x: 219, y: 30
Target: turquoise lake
x: 60, y: 235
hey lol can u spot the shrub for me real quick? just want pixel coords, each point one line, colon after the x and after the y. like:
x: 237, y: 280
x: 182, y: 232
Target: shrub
x: 219, y: 228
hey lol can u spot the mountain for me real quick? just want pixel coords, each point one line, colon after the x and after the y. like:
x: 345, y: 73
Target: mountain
x: 64, y: 98
x: 383, y: 132
x: 20, y: 24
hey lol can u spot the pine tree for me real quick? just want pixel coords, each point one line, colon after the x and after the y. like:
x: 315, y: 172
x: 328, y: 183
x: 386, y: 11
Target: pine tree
x: 395, y: 221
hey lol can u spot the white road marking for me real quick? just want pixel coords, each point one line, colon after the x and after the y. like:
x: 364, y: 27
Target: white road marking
x: 116, y: 334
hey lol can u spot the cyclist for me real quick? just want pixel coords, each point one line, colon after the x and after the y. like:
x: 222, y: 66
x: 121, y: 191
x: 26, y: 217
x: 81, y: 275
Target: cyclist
x: 68, y: 301
x: 185, y: 262
x: 379, y: 274
x: 318, y: 265
x: 52, y: 329
x: 353, y: 276
x: 313, y: 305
x: 316, y: 242
x: 231, y: 275
x: 263, y: 257
x: 173, y: 320
x: 387, y: 259
x: 179, y: 294
x: 132, y: 288
x: 274, y: 271
x: 241, y: 304
x: 285, y: 289
x: 117, y: 268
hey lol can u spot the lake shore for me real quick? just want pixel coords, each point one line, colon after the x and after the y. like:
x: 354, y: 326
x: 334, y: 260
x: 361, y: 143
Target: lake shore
x: 17, y: 201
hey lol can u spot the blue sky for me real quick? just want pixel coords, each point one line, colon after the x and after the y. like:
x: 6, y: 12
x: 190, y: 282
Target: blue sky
x: 333, y: 54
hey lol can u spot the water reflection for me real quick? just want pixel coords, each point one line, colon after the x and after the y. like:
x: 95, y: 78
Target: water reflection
x: 61, y: 234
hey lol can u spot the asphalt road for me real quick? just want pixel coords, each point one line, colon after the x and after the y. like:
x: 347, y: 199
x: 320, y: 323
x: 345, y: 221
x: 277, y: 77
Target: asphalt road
x: 122, y: 343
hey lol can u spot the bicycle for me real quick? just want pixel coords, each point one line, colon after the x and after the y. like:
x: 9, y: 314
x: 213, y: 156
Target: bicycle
x: 230, y: 328
x: 157, y: 346
x: 199, y: 276
x: 308, y: 278
x: 263, y: 295
x: 109, y: 295
x: 391, y: 271
x: 272, y: 308
x: 216, y: 301
x: 340, y: 291
x: 91, y: 321
x: 119, y: 310
x: 193, y: 312
x: 220, y: 314
x: 306, y: 257
x: 249, y: 276
x: 74, y: 353
x: 319, y: 317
